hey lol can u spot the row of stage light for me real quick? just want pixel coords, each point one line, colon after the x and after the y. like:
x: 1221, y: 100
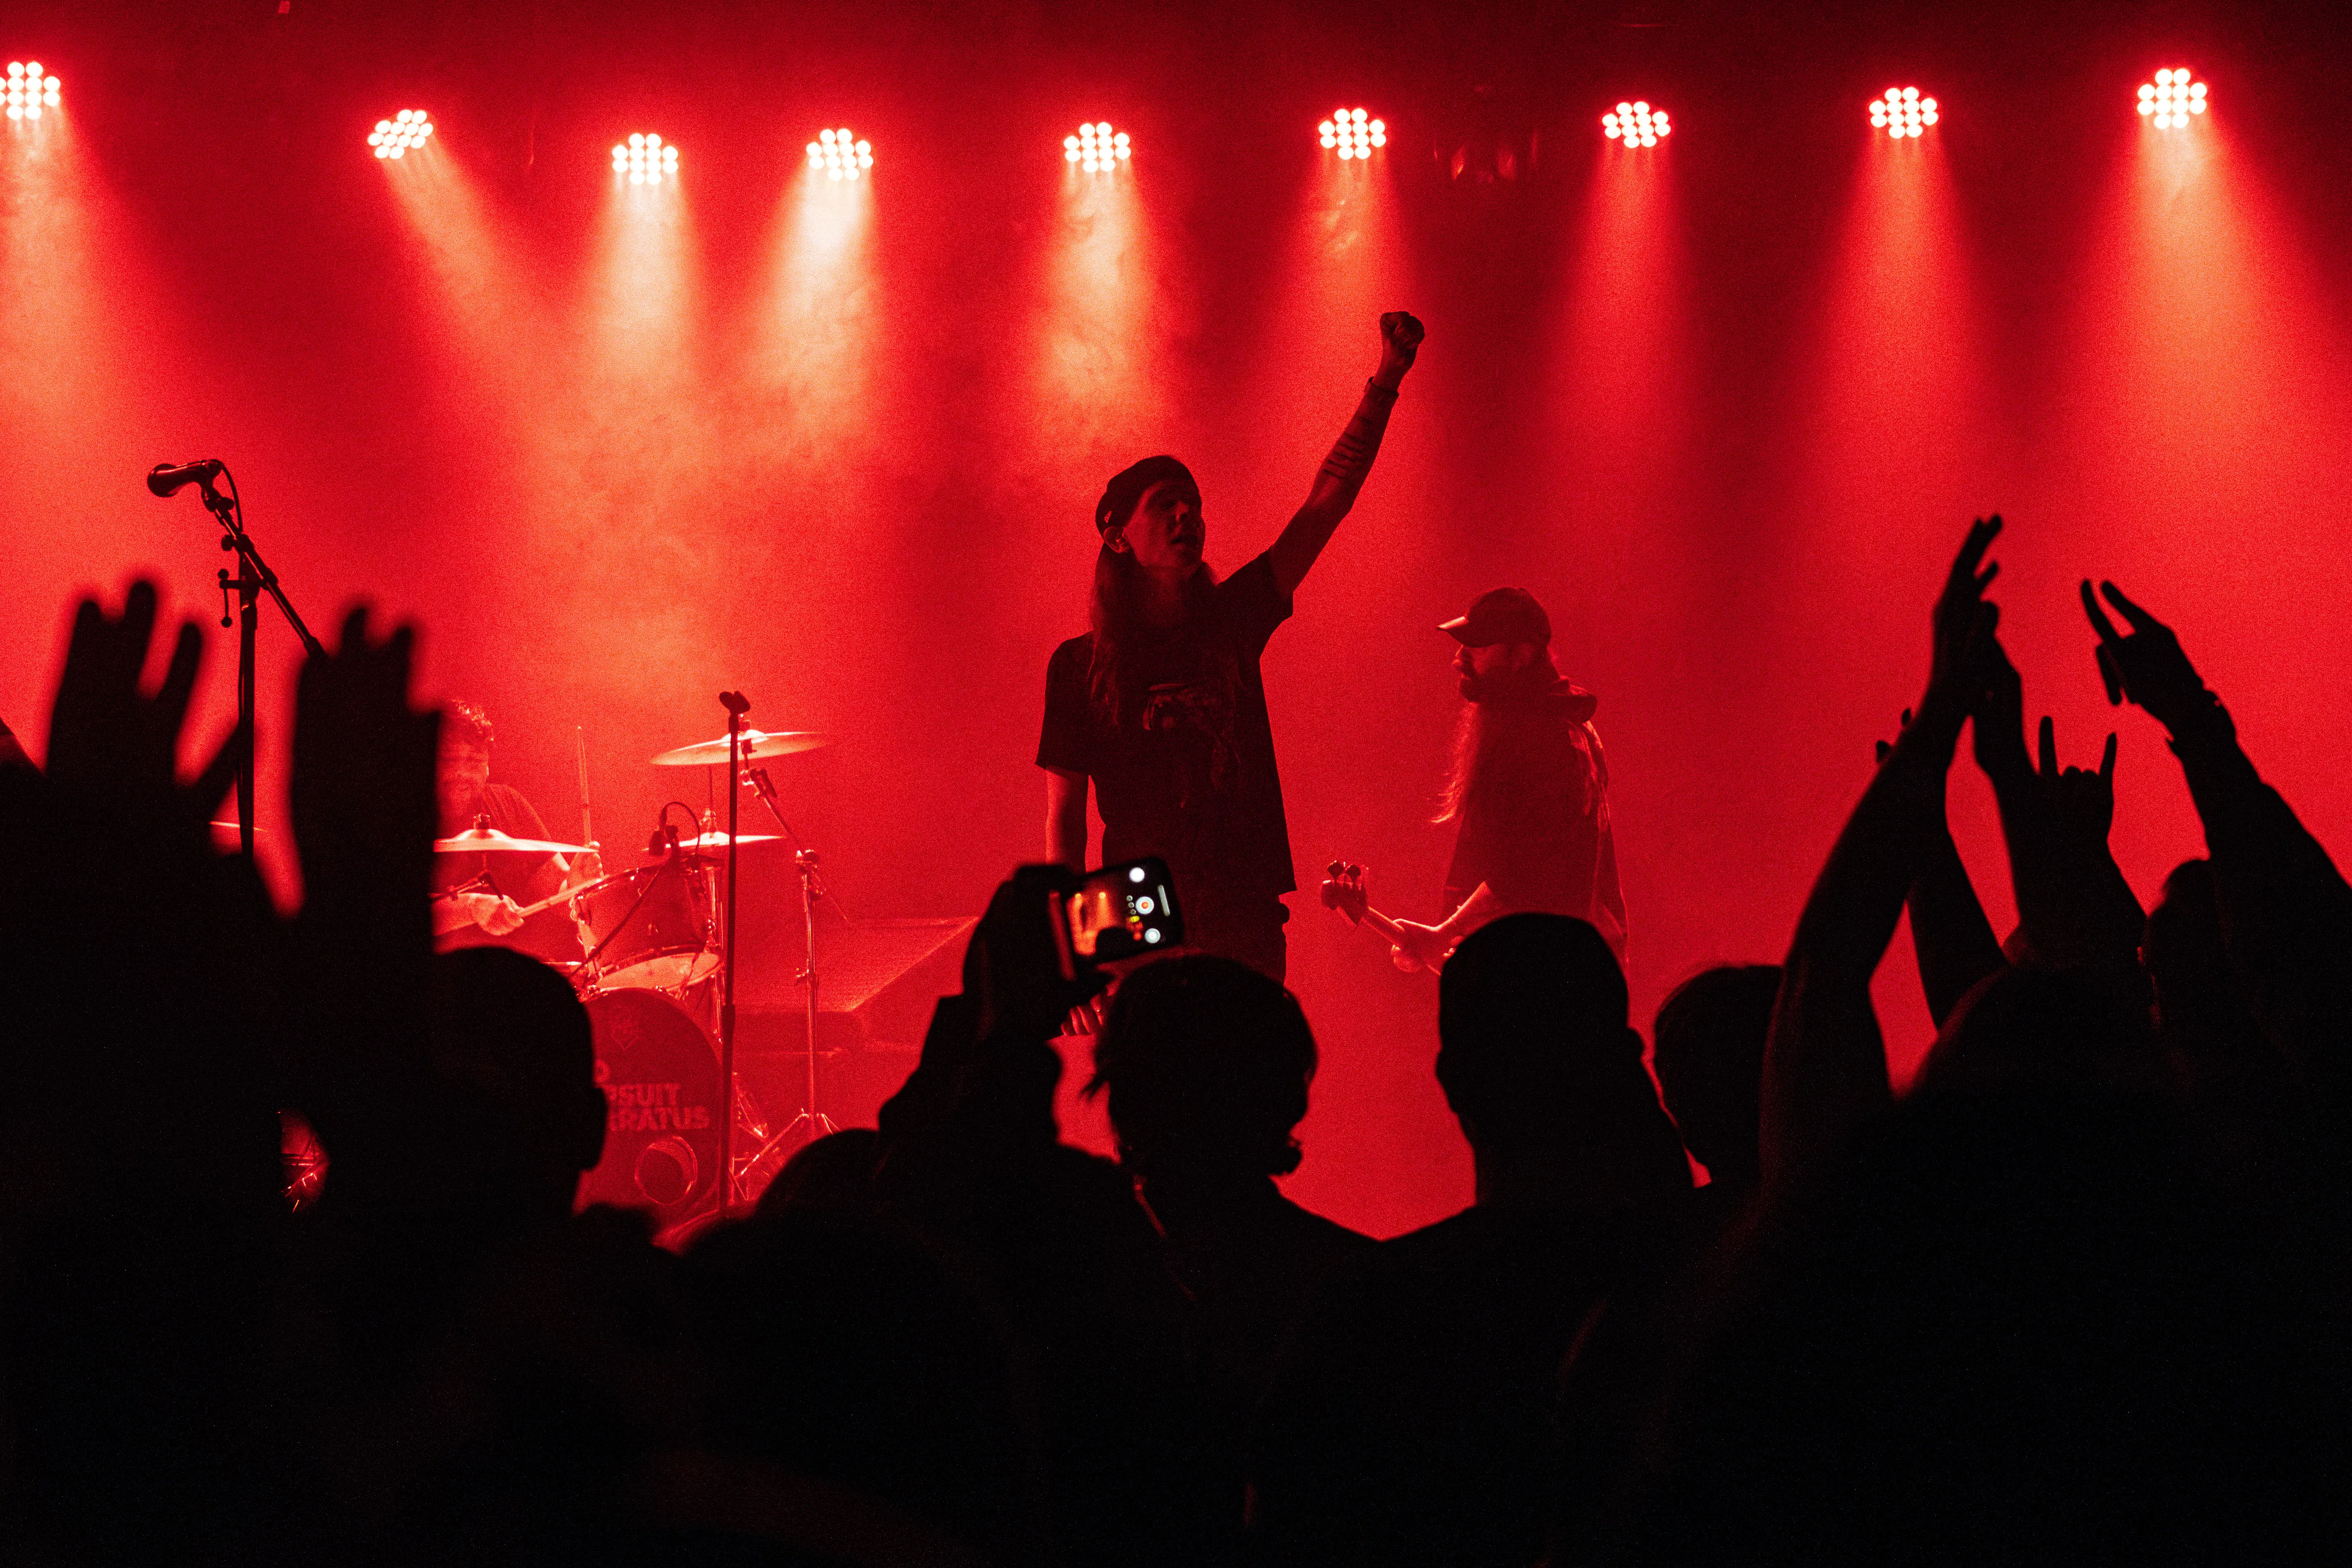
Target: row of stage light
x: 2167, y: 103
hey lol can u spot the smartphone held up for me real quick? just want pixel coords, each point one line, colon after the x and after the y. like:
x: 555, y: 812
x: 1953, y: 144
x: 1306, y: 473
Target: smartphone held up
x: 1124, y: 910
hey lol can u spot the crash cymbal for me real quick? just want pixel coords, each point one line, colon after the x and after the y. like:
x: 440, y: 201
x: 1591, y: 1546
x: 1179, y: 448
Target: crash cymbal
x: 756, y: 743
x: 719, y: 840
x: 490, y: 841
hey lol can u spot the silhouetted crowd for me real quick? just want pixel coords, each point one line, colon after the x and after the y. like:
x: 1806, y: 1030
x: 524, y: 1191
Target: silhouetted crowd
x: 2079, y: 1295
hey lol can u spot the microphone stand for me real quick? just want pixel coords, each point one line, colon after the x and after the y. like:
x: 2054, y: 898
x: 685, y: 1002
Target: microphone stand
x: 253, y: 575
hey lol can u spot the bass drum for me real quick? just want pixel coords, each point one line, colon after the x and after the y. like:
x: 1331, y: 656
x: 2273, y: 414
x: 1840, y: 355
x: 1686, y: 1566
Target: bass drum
x: 660, y: 1078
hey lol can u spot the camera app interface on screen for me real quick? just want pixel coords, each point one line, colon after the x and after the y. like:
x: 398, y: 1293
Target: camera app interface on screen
x: 1122, y: 911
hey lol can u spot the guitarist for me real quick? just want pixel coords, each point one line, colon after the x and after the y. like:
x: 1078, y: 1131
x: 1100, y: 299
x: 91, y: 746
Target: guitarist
x: 1529, y: 787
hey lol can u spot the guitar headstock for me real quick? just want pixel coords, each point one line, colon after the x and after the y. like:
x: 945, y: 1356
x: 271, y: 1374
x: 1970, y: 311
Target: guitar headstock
x: 1343, y: 890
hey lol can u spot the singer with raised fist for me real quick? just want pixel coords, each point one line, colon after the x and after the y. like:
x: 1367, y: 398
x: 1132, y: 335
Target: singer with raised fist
x: 1160, y: 703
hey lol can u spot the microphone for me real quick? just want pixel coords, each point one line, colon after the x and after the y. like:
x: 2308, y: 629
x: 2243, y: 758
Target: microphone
x: 166, y: 480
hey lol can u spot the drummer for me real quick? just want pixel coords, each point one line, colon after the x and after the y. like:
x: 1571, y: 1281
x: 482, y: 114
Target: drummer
x: 470, y: 909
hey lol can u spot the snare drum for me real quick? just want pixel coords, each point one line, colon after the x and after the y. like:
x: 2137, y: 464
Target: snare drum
x: 660, y: 1078
x: 653, y: 927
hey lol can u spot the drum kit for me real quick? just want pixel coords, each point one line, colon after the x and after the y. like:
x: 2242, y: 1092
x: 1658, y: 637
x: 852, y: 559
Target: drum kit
x: 659, y: 984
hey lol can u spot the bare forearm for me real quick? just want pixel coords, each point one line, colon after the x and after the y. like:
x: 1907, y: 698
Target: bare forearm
x: 1474, y: 912
x: 1825, y: 1064
x: 1954, y: 940
x: 1336, y: 484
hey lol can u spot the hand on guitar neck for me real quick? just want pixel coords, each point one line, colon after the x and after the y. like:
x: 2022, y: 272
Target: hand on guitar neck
x: 1412, y: 945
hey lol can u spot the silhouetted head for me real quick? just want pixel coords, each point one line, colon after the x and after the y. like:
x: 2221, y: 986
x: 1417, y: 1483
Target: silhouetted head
x: 2041, y: 1029
x: 1207, y: 1062
x: 840, y: 1348
x: 1708, y: 1046
x: 515, y: 1062
x: 1534, y: 1048
x: 2185, y: 952
x: 835, y: 1170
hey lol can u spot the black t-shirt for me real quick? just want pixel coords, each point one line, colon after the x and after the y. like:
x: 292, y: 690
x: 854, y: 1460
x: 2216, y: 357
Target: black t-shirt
x: 525, y: 878
x: 1191, y: 779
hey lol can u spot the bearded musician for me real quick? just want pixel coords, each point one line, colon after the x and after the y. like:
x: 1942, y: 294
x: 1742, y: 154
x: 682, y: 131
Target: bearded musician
x: 478, y: 901
x: 1529, y: 787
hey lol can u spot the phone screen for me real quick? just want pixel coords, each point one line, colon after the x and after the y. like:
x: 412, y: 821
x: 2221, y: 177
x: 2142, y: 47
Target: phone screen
x: 1124, y: 910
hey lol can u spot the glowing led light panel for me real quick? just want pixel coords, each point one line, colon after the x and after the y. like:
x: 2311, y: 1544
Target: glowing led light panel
x: 1636, y: 124
x: 841, y: 155
x: 2171, y: 99
x: 1903, y: 113
x: 1096, y: 149
x: 393, y: 138
x: 646, y: 159
x: 29, y: 91
x: 1352, y: 135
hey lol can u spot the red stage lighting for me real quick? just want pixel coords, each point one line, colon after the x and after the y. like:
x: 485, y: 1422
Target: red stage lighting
x: 1096, y: 148
x: 393, y: 138
x: 1351, y: 135
x: 841, y: 155
x: 2171, y: 99
x: 646, y: 160
x: 29, y: 91
x: 1636, y: 124
x: 1903, y: 113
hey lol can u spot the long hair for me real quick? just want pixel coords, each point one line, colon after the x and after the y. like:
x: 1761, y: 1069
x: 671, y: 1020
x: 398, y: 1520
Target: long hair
x: 1113, y: 614
x: 1477, y: 733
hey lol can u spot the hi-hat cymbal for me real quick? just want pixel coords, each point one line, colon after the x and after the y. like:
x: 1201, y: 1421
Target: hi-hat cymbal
x: 490, y: 841
x: 719, y: 840
x: 755, y: 744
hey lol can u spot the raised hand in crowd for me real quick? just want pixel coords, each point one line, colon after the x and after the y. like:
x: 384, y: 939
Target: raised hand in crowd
x: 1825, y: 1067
x: 2285, y: 911
x: 134, y: 1264
x: 2147, y: 667
x: 2073, y: 905
x: 1950, y: 937
x: 113, y: 748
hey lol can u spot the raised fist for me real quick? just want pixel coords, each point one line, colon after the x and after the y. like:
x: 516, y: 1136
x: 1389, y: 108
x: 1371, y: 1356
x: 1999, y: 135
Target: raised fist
x: 1401, y: 335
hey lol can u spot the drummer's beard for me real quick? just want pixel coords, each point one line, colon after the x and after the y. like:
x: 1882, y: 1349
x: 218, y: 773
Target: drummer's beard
x: 460, y: 803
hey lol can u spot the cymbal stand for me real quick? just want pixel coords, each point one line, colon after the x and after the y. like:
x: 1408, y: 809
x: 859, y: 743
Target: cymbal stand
x: 737, y: 705
x: 811, y: 1123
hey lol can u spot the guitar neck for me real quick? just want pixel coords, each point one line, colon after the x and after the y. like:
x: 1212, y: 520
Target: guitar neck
x: 1382, y: 924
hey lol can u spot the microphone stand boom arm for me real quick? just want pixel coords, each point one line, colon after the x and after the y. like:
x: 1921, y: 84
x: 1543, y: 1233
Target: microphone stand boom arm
x: 252, y: 577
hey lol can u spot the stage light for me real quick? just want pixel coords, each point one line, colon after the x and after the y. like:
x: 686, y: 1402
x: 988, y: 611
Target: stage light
x: 646, y: 159
x: 841, y: 155
x: 1636, y: 124
x: 1351, y: 135
x: 1903, y: 113
x: 2171, y: 99
x: 1096, y: 149
x: 30, y: 91
x: 393, y: 138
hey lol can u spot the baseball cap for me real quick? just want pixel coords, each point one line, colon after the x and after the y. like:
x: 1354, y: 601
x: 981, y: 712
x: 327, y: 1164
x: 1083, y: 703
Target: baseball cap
x: 1500, y: 615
